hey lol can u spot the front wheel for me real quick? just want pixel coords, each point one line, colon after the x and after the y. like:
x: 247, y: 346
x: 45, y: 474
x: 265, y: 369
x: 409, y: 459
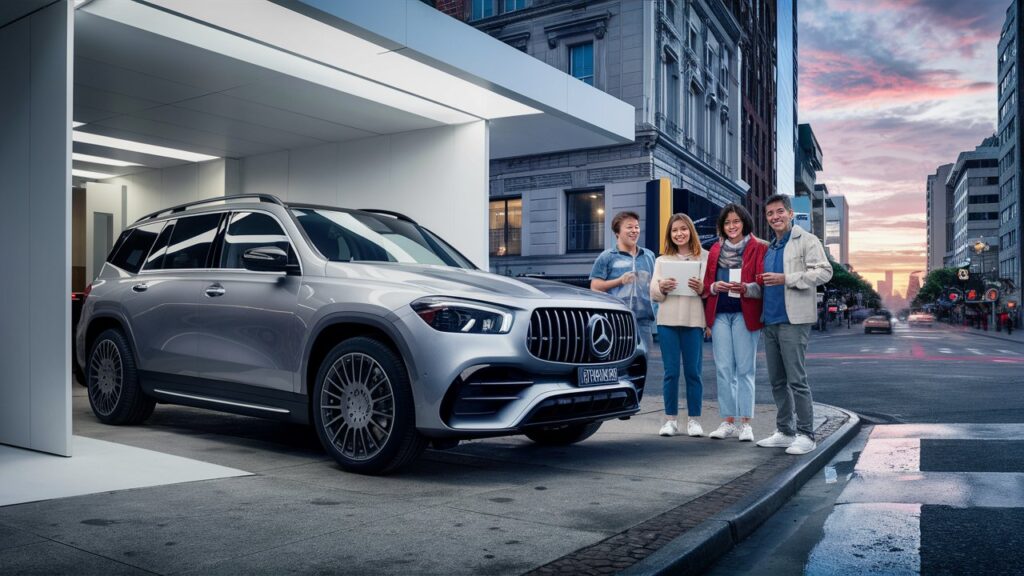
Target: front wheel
x: 363, y: 408
x: 113, y: 381
x: 563, y: 435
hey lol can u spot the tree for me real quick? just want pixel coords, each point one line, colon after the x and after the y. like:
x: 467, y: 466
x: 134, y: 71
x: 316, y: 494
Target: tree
x: 850, y: 283
x: 936, y: 283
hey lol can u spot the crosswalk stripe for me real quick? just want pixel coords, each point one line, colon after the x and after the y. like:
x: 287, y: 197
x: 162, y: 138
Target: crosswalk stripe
x: 1010, y: 352
x: 945, y: 350
x: 975, y: 351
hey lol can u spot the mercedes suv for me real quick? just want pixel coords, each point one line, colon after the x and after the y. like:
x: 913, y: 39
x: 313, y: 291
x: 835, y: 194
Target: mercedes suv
x: 360, y: 323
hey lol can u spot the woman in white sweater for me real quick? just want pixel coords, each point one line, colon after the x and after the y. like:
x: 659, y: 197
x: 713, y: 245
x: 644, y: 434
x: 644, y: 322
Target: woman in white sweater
x: 680, y: 323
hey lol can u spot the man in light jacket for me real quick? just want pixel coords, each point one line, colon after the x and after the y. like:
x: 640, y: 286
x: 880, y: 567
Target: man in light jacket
x: 794, y: 266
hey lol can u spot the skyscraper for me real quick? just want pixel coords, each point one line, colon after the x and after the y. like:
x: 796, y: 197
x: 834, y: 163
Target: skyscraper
x: 939, y: 201
x: 1010, y: 230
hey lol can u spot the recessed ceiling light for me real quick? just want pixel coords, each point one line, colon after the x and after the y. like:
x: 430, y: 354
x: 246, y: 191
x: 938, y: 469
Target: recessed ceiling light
x: 101, y: 160
x: 87, y: 138
x: 90, y: 174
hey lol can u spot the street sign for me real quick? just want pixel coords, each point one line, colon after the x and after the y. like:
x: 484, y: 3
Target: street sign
x: 963, y: 274
x: 992, y: 294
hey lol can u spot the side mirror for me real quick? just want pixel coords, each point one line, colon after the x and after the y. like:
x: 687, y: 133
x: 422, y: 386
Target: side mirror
x: 267, y: 259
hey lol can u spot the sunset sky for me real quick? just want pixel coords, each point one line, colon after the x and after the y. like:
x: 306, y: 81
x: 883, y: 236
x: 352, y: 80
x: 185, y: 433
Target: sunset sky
x: 893, y: 89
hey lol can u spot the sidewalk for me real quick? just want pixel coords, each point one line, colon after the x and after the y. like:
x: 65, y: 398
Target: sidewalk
x: 1017, y: 336
x: 626, y: 499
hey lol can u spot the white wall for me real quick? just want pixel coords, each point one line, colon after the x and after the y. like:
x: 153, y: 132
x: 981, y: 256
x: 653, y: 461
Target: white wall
x: 153, y: 190
x: 108, y: 199
x: 35, y: 229
x: 436, y: 176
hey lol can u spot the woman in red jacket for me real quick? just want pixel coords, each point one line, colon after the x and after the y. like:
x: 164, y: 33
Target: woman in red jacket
x: 733, y: 312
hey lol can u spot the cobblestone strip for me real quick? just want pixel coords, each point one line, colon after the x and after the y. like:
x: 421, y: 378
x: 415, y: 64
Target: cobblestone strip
x: 624, y: 549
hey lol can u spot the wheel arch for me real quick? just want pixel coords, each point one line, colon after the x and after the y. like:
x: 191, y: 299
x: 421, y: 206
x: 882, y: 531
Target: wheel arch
x: 97, y: 325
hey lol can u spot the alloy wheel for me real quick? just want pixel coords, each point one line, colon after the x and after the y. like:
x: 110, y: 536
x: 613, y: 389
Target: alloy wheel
x: 106, y: 377
x: 357, y: 406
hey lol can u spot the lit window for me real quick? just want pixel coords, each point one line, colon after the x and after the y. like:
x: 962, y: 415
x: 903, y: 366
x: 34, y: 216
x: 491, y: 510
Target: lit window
x: 581, y: 62
x: 505, y: 225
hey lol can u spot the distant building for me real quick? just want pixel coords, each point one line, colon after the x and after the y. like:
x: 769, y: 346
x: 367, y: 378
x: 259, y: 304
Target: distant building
x: 808, y: 164
x: 974, y: 180
x: 681, y: 65
x: 819, y: 201
x: 913, y: 285
x: 940, y: 218
x: 885, y: 287
x: 837, y: 228
x: 1010, y: 231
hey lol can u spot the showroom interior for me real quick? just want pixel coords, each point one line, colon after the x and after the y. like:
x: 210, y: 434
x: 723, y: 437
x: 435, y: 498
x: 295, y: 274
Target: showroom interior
x: 113, y: 109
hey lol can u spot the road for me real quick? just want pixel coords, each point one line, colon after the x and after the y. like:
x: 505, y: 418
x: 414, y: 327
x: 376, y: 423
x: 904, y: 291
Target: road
x: 934, y: 484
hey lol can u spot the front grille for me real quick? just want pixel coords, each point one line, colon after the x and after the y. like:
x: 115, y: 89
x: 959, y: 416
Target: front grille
x: 603, y: 404
x: 561, y: 335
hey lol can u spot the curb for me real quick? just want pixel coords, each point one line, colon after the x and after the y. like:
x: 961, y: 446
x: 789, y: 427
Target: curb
x: 698, y: 548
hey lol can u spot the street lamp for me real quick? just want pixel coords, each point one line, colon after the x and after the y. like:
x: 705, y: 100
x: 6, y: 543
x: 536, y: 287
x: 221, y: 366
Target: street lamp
x: 982, y: 248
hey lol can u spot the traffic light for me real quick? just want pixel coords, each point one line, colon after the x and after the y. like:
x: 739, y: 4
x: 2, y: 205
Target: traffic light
x: 972, y: 295
x: 1011, y: 304
x: 954, y: 296
x: 992, y: 294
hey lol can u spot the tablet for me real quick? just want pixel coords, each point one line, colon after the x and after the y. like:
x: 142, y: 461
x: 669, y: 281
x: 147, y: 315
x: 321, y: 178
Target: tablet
x: 682, y: 271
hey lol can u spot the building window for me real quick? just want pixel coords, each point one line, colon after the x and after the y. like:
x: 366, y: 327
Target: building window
x: 672, y: 89
x: 584, y: 221
x: 581, y: 62
x: 670, y: 11
x: 506, y: 227
x: 482, y: 9
x: 513, y: 5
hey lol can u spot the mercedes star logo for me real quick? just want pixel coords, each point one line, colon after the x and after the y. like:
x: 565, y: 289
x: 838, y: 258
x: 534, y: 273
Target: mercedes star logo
x: 602, y: 335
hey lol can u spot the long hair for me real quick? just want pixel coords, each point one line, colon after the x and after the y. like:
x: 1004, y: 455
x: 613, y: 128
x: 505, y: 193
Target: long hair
x: 670, y: 247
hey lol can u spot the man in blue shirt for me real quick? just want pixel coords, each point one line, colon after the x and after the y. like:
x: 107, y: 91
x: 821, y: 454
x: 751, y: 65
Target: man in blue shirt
x: 795, y: 264
x: 625, y: 272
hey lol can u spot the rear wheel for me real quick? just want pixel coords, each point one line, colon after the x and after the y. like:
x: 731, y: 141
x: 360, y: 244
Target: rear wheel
x: 113, y: 381
x: 363, y: 408
x: 563, y: 435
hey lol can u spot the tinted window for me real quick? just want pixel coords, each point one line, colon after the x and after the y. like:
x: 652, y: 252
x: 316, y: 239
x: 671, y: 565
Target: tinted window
x: 132, y: 247
x: 251, y: 230
x: 362, y: 236
x: 190, y: 242
x: 156, y: 257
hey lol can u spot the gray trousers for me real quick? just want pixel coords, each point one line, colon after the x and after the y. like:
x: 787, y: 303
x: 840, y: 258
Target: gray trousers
x: 784, y: 347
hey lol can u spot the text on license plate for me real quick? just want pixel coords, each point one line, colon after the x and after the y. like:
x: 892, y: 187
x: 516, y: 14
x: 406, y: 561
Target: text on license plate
x: 592, y: 376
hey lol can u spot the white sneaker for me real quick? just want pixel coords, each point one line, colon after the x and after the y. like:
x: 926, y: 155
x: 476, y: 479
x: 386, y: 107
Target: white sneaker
x: 776, y: 440
x: 802, y: 445
x: 724, y: 430
x: 746, y: 433
x: 693, y: 428
x: 669, y: 429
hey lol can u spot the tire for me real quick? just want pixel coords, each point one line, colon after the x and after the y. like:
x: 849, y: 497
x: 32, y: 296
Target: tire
x: 113, y: 381
x: 866, y: 331
x: 363, y: 409
x: 565, y: 435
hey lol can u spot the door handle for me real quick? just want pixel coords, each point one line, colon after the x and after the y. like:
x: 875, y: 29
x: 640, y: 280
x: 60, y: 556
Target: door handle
x: 140, y: 287
x: 215, y: 290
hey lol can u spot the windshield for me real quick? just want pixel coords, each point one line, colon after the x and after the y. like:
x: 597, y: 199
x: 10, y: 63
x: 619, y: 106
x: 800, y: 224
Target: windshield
x: 343, y: 236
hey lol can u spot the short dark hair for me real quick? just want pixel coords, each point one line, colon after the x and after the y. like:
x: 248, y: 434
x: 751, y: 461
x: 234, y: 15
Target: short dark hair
x: 617, y: 221
x: 784, y: 198
x: 744, y: 216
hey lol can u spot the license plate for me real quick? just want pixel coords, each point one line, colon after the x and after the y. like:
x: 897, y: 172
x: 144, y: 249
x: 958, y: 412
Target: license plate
x: 588, y: 376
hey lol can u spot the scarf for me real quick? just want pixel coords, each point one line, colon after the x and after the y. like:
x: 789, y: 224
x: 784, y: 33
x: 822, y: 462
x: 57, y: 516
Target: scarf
x: 731, y: 255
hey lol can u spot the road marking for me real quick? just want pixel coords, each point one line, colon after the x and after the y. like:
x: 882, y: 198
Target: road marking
x: 945, y: 350
x: 1010, y: 352
x: 890, y: 350
x: 975, y: 351
x: 865, y: 349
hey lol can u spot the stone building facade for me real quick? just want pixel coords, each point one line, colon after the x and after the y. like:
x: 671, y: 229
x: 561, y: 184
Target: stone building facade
x: 678, y: 63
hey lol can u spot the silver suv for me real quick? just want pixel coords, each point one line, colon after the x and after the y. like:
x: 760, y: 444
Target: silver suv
x: 359, y: 322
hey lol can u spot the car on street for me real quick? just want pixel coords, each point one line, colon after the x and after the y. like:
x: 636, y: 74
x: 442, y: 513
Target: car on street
x: 878, y: 323
x: 921, y: 319
x: 362, y: 323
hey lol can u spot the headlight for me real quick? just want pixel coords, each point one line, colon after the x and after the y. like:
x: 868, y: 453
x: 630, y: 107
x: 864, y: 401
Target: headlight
x: 454, y: 315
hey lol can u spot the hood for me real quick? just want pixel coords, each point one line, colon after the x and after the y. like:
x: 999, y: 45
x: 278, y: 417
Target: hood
x: 474, y: 284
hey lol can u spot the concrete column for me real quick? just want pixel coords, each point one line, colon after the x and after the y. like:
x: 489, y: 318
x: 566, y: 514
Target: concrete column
x: 36, y: 64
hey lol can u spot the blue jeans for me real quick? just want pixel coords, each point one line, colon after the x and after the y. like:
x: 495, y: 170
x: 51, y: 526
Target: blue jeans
x: 688, y: 342
x: 735, y: 350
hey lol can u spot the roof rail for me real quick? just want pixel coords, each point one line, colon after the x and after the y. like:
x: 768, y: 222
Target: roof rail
x: 398, y: 215
x: 182, y: 207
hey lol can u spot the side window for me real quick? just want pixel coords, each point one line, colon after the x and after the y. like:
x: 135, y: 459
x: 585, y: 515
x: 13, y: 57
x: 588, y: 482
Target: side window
x: 251, y: 230
x: 190, y: 242
x: 133, y: 246
x: 156, y: 257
